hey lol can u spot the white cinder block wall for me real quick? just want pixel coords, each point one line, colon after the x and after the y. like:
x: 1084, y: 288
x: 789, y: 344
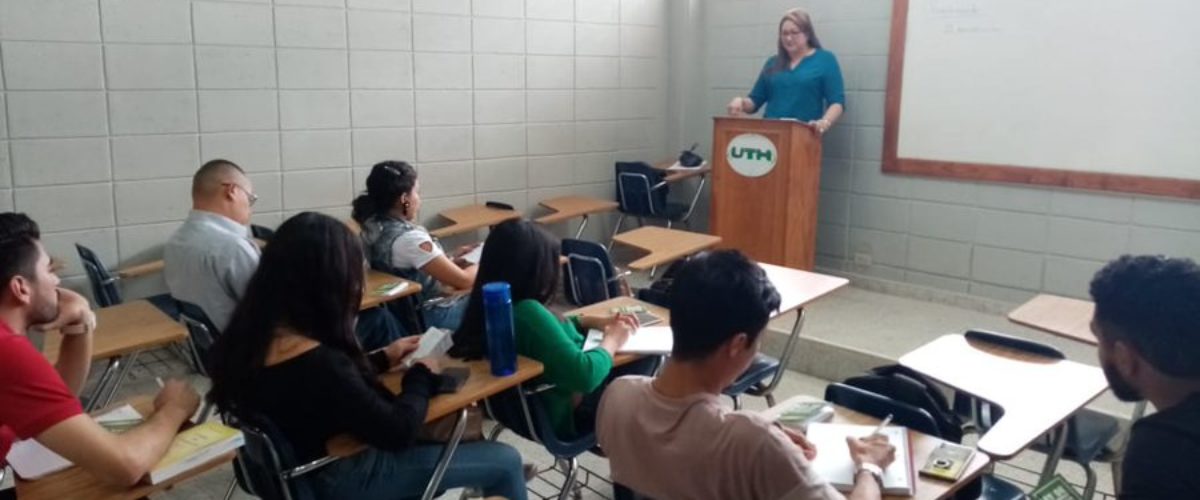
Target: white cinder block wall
x: 108, y: 106
x: 997, y: 241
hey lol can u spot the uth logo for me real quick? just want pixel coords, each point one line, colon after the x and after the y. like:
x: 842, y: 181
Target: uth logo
x: 751, y: 155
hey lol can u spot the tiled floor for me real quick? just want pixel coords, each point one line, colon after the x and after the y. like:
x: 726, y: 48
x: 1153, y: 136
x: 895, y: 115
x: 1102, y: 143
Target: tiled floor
x: 884, y: 324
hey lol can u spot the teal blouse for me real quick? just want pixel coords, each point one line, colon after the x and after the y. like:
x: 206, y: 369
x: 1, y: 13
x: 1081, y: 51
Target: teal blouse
x: 803, y: 92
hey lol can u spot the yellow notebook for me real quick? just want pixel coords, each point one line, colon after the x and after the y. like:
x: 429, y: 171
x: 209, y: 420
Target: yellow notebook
x: 194, y: 447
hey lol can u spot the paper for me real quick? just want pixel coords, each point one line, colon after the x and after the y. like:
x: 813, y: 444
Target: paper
x: 434, y: 342
x: 389, y: 289
x: 473, y: 256
x: 835, y: 465
x: 31, y: 460
x: 647, y: 340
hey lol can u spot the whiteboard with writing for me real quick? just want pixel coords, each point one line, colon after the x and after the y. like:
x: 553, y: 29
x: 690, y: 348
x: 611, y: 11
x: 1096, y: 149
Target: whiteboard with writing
x: 1079, y: 85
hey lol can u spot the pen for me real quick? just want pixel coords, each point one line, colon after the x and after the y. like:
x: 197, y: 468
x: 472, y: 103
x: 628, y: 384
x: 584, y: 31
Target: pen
x: 879, y: 430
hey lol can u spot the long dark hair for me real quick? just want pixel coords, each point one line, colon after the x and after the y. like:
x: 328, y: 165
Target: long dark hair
x: 389, y: 180
x: 519, y: 253
x: 310, y: 279
x: 802, y: 20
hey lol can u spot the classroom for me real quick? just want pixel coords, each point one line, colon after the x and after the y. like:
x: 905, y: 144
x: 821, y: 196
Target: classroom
x: 599, y: 249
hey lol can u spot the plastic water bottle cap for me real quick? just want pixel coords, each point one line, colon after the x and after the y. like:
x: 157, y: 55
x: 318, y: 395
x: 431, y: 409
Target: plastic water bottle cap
x: 498, y: 291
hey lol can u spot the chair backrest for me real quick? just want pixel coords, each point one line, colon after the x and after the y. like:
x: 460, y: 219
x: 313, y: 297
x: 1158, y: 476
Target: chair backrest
x: 590, y: 276
x: 880, y: 406
x: 525, y: 415
x: 1016, y: 343
x: 914, y: 389
x: 104, y: 284
x: 263, y: 461
x: 635, y: 189
x: 201, y: 330
x: 261, y: 232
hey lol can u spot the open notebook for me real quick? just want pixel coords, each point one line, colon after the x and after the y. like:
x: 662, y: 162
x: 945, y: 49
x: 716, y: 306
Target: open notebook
x: 833, y: 458
x: 648, y: 340
x: 31, y: 460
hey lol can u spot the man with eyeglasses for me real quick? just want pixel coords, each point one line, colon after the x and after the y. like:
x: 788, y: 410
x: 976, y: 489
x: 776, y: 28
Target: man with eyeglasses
x: 211, y: 258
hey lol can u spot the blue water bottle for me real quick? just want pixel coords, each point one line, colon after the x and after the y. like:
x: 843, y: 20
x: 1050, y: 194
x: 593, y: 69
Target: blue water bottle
x: 498, y: 323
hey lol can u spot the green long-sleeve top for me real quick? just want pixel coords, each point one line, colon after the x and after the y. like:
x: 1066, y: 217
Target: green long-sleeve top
x: 558, y: 345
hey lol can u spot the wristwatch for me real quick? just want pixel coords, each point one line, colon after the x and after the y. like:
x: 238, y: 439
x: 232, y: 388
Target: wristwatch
x: 875, y: 470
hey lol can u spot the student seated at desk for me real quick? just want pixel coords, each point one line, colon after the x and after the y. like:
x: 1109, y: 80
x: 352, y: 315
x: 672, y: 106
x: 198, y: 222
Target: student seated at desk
x: 210, y: 258
x: 652, y: 428
x: 38, y: 400
x: 1147, y: 322
x: 290, y: 355
x: 397, y: 245
x: 522, y: 254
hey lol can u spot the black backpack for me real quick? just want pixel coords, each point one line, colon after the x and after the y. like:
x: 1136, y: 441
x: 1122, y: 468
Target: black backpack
x: 910, y: 387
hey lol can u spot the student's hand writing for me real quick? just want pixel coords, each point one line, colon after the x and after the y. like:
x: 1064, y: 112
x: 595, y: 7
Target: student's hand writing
x: 75, y: 316
x: 629, y: 320
x: 616, y: 334
x: 810, y: 449
x: 873, y: 449
x: 177, y: 395
x: 401, y: 348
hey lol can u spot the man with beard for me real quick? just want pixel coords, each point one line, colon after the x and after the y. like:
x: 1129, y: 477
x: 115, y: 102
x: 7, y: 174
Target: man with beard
x: 37, y: 400
x: 1147, y: 322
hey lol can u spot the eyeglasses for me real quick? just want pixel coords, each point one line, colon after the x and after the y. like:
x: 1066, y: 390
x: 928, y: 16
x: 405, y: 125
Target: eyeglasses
x: 250, y: 197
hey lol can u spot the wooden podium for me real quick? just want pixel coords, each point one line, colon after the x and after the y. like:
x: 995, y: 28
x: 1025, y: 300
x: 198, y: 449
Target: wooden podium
x: 766, y: 175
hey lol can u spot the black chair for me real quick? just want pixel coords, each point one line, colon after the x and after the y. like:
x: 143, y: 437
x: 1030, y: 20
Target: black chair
x: 917, y: 419
x: 591, y: 276
x: 202, y: 334
x: 104, y: 284
x: 261, y: 232
x: 1088, y: 432
x: 522, y: 412
x: 266, y: 466
x: 643, y: 193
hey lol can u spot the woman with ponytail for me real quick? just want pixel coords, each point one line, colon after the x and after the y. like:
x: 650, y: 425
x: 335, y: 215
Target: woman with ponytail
x: 395, y: 243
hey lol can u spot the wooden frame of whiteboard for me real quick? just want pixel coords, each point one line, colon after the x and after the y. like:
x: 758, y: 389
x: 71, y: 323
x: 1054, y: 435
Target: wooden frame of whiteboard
x: 892, y: 163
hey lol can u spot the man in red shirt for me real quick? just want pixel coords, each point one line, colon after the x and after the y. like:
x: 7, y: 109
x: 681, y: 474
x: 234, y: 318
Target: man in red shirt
x: 38, y: 400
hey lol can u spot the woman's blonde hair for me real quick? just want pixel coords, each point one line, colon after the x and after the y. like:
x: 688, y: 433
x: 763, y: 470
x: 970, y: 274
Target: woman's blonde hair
x: 802, y: 20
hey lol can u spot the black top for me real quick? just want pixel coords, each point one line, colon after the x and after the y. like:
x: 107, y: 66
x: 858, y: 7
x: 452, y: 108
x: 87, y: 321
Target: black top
x: 321, y: 393
x: 1163, y: 458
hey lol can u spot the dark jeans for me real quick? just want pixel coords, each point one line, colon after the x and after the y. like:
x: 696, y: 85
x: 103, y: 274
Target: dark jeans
x: 585, y: 413
x: 377, y: 474
x: 376, y: 328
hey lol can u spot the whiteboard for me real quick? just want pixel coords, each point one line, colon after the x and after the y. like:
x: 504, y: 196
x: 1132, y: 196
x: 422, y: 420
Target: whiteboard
x: 1109, y: 87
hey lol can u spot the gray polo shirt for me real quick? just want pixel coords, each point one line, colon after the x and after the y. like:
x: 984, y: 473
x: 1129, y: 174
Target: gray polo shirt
x: 209, y: 261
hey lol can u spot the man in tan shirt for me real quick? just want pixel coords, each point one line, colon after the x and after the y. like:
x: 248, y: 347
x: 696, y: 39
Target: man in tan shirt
x: 670, y: 436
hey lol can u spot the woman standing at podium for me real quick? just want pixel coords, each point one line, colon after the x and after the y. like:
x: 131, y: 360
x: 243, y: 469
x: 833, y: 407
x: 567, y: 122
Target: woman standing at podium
x: 802, y: 81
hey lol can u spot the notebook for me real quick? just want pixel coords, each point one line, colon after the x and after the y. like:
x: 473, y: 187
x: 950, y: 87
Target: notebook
x: 833, y: 460
x: 655, y: 340
x: 31, y: 460
x: 194, y: 447
x: 435, y: 342
x: 389, y: 289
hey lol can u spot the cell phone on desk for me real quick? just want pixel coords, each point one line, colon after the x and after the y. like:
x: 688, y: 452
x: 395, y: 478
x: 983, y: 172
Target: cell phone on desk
x: 497, y: 205
x: 452, y: 379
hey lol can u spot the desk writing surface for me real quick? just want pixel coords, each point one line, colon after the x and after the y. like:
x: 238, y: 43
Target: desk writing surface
x: 125, y: 328
x: 479, y: 385
x: 920, y: 445
x: 1036, y: 392
x: 75, y: 482
x: 673, y: 176
x: 664, y: 245
x: 472, y: 217
x: 569, y: 207
x: 375, y: 279
x: 798, y: 288
x: 1062, y: 316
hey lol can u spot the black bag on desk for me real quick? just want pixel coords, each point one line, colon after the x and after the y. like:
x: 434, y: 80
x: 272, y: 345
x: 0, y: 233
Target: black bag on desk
x: 910, y: 387
x: 659, y: 292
